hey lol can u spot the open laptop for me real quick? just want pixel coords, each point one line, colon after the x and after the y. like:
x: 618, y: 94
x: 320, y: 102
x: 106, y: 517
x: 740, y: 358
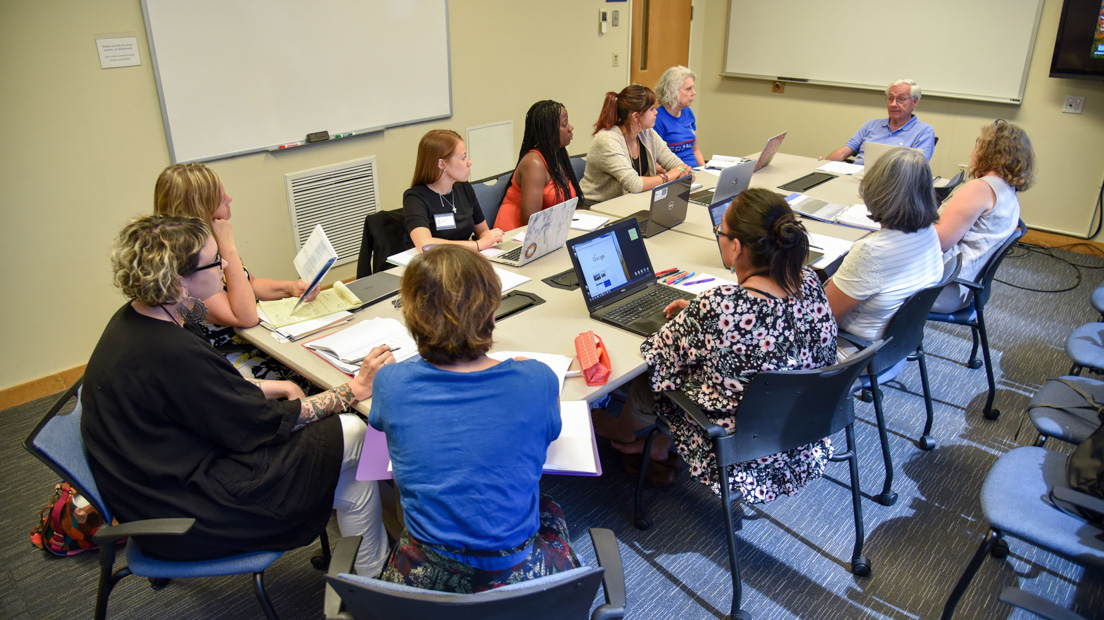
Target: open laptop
x: 374, y: 288
x: 716, y: 214
x: 546, y: 232
x: 669, y: 202
x: 731, y: 182
x: 766, y: 156
x: 616, y: 278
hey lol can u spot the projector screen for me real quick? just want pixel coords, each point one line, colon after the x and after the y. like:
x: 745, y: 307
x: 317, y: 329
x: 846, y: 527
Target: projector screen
x: 250, y: 75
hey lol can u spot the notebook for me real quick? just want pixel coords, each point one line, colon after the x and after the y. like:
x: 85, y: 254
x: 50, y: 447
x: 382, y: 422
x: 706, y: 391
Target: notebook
x: 732, y: 181
x: 546, y: 232
x: 669, y: 202
x: 716, y: 214
x: 617, y: 281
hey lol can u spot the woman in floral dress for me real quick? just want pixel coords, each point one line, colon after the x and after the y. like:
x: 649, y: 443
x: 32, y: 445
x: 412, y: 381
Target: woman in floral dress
x: 776, y: 319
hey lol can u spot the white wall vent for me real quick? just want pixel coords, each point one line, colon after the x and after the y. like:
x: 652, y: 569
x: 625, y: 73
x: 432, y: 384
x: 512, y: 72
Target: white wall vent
x: 338, y: 197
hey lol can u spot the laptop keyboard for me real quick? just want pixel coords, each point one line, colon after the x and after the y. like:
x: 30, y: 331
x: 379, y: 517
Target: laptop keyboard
x: 654, y: 301
x: 513, y: 255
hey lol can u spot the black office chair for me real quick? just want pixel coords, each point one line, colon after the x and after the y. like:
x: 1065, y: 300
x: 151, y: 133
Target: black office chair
x: 57, y: 442
x: 383, y: 236
x: 973, y: 314
x: 904, y: 338
x: 942, y: 193
x: 490, y: 192
x: 780, y: 411
x: 578, y: 165
x: 555, y: 597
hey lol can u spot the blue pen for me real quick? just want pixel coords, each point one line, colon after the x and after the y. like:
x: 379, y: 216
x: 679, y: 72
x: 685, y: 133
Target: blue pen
x: 702, y: 281
x: 685, y: 277
x: 674, y: 277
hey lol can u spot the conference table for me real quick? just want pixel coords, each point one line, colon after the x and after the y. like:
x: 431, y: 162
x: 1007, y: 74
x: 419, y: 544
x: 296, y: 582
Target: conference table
x: 551, y: 327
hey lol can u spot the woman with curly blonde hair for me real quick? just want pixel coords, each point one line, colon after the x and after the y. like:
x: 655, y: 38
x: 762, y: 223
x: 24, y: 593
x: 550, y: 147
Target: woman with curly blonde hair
x: 983, y: 213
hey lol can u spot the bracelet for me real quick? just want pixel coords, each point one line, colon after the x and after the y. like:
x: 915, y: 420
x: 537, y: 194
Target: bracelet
x: 476, y: 241
x: 663, y: 175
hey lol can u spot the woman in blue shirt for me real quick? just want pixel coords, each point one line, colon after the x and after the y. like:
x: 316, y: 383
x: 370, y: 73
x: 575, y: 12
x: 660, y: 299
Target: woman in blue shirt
x: 675, y: 122
x: 468, y: 437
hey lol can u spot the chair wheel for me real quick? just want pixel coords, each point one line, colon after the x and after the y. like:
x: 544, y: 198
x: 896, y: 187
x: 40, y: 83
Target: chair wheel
x: 1000, y: 550
x: 160, y: 582
x: 866, y: 396
x: 927, y: 443
x: 741, y: 615
x: 642, y: 523
x: 320, y: 562
x: 886, y: 499
x: 860, y: 566
x: 974, y: 364
x: 992, y: 414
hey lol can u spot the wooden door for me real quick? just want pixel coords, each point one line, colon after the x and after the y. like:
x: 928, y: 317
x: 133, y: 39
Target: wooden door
x: 660, y: 38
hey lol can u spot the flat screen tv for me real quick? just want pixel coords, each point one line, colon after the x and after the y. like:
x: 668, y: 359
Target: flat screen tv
x: 1079, y: 46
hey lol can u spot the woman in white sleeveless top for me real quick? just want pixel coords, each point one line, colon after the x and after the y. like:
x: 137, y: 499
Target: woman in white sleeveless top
x: 981, y: 214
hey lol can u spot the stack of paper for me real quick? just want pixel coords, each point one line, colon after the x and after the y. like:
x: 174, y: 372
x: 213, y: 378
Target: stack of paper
x: 587, y: 221
x: 509, y: 279
x: 558, y: 363
x: 283, y: 312
x: 347, y: 348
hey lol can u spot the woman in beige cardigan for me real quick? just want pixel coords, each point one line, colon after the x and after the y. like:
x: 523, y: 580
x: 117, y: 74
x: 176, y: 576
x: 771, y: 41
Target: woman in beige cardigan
x: 627, y: 155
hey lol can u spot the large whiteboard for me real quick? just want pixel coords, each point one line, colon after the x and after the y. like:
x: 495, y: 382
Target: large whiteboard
x: 972, y: 49
x: 237, y: 76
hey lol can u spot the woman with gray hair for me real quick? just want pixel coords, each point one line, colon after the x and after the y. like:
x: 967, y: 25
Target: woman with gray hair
x: 883, y: 269
x: 675, y: 122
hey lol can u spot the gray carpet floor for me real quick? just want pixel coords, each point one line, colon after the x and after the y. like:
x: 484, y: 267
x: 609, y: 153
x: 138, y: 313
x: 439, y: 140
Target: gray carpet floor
x: 794, y: 553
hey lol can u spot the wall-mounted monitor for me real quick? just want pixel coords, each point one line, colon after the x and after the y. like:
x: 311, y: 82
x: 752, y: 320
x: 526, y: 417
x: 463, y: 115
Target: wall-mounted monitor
x: 1079, y: 46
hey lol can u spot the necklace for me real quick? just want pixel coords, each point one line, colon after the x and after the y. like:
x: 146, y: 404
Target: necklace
x: 171, y: 317
x: 451, y: 203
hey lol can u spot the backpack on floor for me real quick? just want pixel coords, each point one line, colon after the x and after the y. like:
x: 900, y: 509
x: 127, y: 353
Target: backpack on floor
x: 67, y: 523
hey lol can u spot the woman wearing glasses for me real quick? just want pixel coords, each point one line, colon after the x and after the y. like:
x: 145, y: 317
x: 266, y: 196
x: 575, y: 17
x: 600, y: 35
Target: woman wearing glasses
x: 777, y: 318
x: 173, y: 430
x: 981, y: 214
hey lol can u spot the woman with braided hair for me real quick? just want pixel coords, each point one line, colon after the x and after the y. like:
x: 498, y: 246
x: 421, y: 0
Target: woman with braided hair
x: 543, y: 177
x: 777, y: 318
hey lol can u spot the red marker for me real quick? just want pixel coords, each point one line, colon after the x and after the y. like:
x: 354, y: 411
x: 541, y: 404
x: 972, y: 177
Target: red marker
x: 666, y: 272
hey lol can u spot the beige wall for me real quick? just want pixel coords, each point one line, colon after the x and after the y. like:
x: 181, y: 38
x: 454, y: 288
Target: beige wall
x: 83, y: 146
x: 736, y: 116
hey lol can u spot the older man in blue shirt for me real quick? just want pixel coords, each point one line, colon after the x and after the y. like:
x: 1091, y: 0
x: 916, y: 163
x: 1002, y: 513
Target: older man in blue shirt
x: 902, y: 128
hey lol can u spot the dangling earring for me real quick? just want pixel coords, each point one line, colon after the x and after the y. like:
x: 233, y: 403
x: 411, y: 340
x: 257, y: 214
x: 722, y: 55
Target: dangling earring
x: 196, y: 314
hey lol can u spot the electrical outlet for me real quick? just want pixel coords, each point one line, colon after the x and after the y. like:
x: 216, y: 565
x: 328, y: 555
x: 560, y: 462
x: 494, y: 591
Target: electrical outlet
x: 616, y: 59
x: 1073, y: 104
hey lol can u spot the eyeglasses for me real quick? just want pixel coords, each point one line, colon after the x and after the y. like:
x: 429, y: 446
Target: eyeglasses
x: 899, y: 100
x: 217, y: 263
x: 718, y: 232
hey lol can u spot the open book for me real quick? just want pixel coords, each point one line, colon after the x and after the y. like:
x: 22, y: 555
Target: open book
x: 347, y: 348
x: 574, y: 452
x: 314, y: 260
x: 855, y: 215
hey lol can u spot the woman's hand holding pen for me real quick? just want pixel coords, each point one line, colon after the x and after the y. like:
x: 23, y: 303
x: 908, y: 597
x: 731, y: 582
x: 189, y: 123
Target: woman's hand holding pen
x: 376, y: 359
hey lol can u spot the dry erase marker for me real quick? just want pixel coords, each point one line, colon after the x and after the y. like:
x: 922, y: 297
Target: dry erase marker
x: 685, y: 277
x: 290, y: 145
x: 343, y: 135
x: 702, y: 281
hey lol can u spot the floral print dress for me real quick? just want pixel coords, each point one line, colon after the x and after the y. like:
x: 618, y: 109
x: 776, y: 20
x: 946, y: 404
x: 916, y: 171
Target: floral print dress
x: 713, y: 348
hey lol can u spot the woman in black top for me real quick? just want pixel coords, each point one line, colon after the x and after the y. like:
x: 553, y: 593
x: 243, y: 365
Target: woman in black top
x: 440, y: 206
x: 173, y: 430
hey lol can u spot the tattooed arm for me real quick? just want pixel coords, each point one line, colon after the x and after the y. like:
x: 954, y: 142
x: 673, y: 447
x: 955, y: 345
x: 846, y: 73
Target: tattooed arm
x: 321, y: 406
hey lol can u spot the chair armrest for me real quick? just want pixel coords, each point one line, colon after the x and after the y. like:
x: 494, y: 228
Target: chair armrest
x: 147, y: 527
x: 1036, y: 605
x: 682, y: 401
x: 970, y: 284
x: 613, y: 579
x: 1079, y: 499
x: 862, y: 343
x: 344, y: 556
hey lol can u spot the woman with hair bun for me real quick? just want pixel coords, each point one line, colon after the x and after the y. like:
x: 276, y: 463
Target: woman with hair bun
x: 777, y: 318
x: 627, y: 156
x: 981, y: 214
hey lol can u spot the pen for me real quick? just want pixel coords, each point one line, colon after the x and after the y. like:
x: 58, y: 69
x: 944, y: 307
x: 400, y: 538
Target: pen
x: 684, y: 277
x: 702, y: 281
x: 361, y: 358
x: 673, y: 277
x: 666, y: 272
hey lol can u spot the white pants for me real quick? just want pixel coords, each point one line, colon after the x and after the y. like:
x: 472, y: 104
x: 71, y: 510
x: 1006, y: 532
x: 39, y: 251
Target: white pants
x: 357, y: 502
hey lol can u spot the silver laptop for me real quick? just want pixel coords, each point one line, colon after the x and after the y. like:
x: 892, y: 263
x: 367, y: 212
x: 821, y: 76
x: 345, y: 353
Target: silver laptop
x: 731, y: 182
x: 669, y: 202
x: 616, y: 277
x: 546, y: 232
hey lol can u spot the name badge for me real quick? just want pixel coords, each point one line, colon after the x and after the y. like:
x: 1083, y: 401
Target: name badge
x: 444, y: 221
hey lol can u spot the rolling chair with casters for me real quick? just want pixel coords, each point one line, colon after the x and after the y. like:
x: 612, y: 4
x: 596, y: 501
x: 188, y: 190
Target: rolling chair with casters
x: 490, y: 192
x: 1015, y: 502
x: 780, y: 410
x: 57, y: 442
x: 904, y: 342
x: 973, y: 315
x: 564, y: 595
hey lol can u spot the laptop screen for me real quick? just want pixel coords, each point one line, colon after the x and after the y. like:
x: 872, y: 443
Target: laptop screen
x: 611, y: 260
